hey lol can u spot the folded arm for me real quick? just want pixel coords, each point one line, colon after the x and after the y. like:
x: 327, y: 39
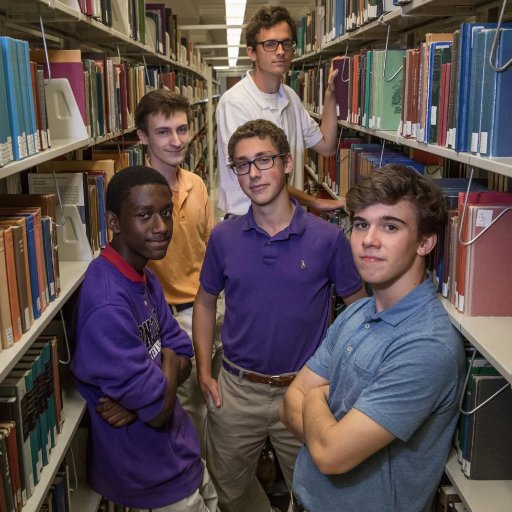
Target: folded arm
x: 338, y: 446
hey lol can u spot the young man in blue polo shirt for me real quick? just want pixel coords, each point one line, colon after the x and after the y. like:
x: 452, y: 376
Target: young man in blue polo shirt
x: 276, y: 265
x: 377, y: 404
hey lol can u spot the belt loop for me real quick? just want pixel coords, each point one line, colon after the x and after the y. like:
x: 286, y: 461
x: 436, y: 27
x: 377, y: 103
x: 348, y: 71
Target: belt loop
x: 240, y: 376
x: 173, y: 309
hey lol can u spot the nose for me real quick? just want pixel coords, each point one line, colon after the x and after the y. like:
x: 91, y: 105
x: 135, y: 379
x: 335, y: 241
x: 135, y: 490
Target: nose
x: 174, y: 139
x: 279, y: 49
x: 161, y: 224
x: 370, y: 237
x: 254, y: 172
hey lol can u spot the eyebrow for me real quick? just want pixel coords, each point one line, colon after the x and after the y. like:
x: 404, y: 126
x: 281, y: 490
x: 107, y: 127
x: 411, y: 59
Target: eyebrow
x: 386, y: 218
x: 261, y: 153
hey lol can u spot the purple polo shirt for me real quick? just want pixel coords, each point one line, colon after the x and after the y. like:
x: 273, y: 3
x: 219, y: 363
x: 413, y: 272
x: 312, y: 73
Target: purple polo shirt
x: 277, y: 289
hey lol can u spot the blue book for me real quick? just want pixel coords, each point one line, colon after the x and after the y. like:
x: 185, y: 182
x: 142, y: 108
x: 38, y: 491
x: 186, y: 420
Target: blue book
x: 465, y: 79
x: 475, y: 91
x: 24, y: 93
x: 32, y: 263
x: 5, y: 130
x: 32, y: 132
x: 13, y: 88
x: 494, y: 129
x: 440, y: 53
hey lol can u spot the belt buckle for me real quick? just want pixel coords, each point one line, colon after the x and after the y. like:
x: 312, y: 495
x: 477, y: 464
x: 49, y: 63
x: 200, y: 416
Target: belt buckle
x: 274, y: 378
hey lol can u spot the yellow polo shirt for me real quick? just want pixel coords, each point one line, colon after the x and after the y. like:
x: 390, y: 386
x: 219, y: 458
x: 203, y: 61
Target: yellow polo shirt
x: 193, y: 220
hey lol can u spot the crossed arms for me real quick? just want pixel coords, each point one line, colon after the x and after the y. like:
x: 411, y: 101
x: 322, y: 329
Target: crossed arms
x: 335, y: 446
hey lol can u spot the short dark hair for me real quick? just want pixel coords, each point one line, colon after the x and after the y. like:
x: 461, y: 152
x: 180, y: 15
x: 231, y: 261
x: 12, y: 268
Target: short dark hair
x: 160, y: 101
x: 392, y: 183
x: 259, y: 128
x: 121, y: 184
x: 267, y: 17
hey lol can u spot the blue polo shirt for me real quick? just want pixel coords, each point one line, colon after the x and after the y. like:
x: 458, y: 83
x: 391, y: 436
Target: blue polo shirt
x: 278, y: 288
x: 404, y: 368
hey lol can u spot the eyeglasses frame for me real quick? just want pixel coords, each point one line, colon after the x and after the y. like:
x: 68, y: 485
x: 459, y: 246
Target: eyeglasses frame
x: 253, y: 162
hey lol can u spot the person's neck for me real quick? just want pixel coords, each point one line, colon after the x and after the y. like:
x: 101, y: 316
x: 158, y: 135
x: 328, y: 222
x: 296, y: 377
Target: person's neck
x: 169, y: 172
x: 388, y: 294
x: 120, y: 248
x: 266, y: 82
x: 276, y: 216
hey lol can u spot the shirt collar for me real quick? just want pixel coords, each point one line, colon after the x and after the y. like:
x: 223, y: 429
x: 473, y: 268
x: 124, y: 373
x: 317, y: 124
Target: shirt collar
x: 297, y: 225
x: 265, y: 100
x: 407, y: 306
x: 112, y: 256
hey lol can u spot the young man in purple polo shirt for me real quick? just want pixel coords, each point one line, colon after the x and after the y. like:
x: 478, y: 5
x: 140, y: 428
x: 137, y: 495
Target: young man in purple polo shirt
x: 377, y: 404
x: 131, y: 355
x: 276, y: 265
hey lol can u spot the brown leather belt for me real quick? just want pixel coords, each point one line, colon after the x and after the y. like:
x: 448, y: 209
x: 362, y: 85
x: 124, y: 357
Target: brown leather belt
x: 279, y: 381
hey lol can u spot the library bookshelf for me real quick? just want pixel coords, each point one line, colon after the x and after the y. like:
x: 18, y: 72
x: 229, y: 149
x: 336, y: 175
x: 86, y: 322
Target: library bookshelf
x: 63, y: 23
x: 491, y: 336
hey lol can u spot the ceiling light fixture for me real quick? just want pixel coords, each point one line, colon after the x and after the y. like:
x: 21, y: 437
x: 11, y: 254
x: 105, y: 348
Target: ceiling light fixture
x: 235, y: 13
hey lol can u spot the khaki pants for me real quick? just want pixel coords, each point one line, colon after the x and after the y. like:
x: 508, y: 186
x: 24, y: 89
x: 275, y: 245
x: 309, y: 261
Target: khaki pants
x: 235, y: 434
x: 203, y: 500
x: 189, y: 393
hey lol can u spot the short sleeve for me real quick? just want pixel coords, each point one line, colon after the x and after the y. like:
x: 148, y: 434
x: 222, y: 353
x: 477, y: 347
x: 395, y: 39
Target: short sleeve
x: 212, y: 278
x: 415, y: 379
x: 343, y: 271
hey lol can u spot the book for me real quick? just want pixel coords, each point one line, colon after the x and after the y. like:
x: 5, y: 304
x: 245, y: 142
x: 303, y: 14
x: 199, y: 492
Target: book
x: 13, y: 88
x: 12, y: 287
x: 6, y: 475
x: 9, y: 429
x: 6, y: 330
x: 488, y: 279
x: 47, y: 203
x: 491, y: 434
x: 22, y: 269
x: 341, y: 87
x: 493, y: 139
x: 65, y: 64
x: 13, y: 407
x: 28, y: 224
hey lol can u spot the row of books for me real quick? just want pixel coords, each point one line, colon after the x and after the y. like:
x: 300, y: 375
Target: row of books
x: 153, y: 24
x: 484, y: 435
x: 23, y: 120
x: 474, y: 269
x: 330, y: 19
x: 354, y: 159
x: 444, y: 92
x: 31, y: 404
x: 58, y: 498
x: 29, y: 265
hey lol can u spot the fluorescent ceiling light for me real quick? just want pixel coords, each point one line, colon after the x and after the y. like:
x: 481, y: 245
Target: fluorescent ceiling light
x: 235, y: 13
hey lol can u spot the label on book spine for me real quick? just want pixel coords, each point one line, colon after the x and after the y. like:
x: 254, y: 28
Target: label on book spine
x: 484, y: 136
x: 474, y: 142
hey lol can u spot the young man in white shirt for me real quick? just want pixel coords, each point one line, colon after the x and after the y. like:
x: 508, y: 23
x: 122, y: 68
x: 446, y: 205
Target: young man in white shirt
x: 271, y: 38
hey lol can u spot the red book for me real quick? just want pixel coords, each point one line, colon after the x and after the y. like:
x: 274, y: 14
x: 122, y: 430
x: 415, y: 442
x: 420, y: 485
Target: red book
x: 342, y: 87
x: 66, y: 64
x: 474, y: 198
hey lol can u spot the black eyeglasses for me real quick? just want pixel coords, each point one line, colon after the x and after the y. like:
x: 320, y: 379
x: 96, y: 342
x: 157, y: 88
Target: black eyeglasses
x: 262, y: 163
x: 271, y: 45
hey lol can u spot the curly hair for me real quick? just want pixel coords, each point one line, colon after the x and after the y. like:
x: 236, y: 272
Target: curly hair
x: 259, y: 128
x: 160, y: 101
x: 392, y: 183
x: 267, y: 17
x: 121, y: 185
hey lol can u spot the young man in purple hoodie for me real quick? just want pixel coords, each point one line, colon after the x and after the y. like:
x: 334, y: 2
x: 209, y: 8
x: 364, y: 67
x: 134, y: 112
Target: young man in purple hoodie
x: 131, y: 356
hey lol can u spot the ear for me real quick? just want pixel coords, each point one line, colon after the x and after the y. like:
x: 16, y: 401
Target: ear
x: 288, y: 163
x: 113, y: 222
x: 427, y: 244
x: 251, y: 53
x: 142, y: 136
